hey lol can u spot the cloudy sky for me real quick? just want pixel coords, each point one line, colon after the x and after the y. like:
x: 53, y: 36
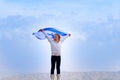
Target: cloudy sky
x: 93, y: 24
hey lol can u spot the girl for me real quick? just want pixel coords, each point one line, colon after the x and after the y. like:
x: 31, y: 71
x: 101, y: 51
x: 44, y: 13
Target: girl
x: 55, y: 53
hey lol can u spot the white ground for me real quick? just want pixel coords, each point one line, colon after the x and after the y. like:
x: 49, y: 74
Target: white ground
x: 66, y: 76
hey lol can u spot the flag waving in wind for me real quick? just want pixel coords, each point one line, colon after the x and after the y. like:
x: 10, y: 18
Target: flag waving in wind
x: 50, y: 32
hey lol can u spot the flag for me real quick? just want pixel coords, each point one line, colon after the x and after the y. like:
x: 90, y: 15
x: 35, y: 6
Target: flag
x: 50, y: 32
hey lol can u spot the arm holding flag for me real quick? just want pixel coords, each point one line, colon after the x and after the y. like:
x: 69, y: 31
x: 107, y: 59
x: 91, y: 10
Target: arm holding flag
x: 45, y: 35
x: 63, y: 38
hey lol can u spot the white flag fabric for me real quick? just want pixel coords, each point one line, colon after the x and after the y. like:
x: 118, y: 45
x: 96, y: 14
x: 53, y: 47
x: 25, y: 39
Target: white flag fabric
x: 50, y: 32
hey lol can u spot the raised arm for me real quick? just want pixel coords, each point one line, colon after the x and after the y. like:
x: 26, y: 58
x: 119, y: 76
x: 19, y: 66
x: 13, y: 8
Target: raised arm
x: 45, y: 35
x: 62, y: 39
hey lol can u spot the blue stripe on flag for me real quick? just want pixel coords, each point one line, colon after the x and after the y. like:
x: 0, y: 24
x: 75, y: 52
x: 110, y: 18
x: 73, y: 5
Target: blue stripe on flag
x: 55, y: 31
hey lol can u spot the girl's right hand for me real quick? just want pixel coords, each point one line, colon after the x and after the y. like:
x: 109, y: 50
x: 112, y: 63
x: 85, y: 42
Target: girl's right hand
x: 41, y: 30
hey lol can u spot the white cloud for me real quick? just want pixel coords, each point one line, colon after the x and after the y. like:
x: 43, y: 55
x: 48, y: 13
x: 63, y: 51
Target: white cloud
x: 100, y: 43
x: 8, y: 36
x: 79, y: 36
x: 4, y: 69
x: 0, y: 36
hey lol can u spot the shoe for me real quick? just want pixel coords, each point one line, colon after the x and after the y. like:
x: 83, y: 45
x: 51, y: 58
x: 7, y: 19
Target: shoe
x: 52, y: 76
x: 58, y: 76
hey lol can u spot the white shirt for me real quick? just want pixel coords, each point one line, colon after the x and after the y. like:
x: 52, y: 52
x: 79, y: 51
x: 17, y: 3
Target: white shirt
x: 55, y: 46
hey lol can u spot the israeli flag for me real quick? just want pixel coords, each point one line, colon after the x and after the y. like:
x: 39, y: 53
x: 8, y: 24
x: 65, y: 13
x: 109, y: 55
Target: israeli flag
x: 50, y: 32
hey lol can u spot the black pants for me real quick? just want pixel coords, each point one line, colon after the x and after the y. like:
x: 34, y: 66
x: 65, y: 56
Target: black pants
x: 55, y: 60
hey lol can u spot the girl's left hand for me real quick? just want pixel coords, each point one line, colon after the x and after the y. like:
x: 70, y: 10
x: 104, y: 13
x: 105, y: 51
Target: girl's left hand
x: 69, y: 34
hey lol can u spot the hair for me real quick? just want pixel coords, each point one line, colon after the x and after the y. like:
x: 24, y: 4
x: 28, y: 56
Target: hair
x: 58, y: 36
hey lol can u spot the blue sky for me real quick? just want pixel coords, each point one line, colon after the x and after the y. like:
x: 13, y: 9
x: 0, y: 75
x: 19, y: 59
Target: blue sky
x: 93, y: 46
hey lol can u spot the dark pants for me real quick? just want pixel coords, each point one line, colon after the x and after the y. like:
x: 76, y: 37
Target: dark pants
x: 55, y: 60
